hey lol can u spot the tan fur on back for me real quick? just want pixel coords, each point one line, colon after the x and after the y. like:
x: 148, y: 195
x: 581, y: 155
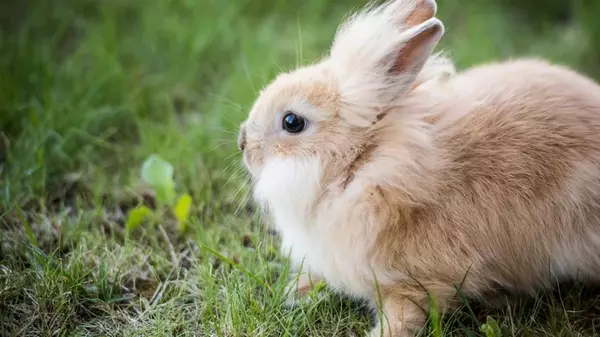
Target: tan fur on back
x: 484, y: 178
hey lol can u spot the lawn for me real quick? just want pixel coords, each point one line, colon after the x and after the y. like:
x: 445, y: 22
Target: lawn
x: 90, y: 89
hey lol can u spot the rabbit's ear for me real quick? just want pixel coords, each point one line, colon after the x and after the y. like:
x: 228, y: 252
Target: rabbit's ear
x: 389, y: 39
x: 422, y: 11
x: 378, y: 53
x: 421, y: 33
x: 418, y: 45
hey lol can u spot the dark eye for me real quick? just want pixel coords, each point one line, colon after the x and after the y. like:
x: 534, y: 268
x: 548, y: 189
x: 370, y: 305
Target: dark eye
x: 293, y: 123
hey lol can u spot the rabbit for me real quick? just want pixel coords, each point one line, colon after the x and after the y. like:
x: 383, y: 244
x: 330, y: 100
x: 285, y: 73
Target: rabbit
x: 395, y: 178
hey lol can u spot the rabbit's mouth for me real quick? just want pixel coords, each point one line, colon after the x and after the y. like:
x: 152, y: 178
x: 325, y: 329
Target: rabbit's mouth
x: 254, y: 170
x: 253, y: 162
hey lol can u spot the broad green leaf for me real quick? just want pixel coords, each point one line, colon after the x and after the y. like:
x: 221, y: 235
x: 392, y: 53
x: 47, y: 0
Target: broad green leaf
x: 158, y: 173
x: 136, y: 217
x: 182, y: 211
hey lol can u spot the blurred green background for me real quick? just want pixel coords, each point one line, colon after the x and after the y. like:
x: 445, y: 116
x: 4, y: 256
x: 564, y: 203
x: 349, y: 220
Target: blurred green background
x: 95, y: 86
x: 90, y: 88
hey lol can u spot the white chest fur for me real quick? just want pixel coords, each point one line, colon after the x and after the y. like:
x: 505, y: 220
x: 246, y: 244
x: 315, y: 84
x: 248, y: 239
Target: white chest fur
x: 333, y: 238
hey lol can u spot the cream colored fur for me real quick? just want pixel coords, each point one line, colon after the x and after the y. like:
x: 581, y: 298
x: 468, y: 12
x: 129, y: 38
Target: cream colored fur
x: 422, y: 179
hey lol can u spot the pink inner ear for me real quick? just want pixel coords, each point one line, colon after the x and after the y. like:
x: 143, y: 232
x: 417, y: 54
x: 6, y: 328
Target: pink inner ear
x: 411, y: 54
x: 423, y: 11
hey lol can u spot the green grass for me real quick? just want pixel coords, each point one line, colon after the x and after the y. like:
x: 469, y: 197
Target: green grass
x: 89, y: 89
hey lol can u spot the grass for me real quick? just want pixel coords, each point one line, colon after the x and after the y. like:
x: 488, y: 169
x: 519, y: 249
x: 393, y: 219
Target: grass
x: 89, y: 89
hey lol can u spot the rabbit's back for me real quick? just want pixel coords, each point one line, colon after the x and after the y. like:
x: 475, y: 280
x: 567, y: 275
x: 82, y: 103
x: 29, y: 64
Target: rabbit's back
x: 519, y: 197
x: 527, y: 128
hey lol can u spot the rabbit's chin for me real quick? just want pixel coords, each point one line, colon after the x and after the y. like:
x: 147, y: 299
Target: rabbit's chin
x: 287, y: 188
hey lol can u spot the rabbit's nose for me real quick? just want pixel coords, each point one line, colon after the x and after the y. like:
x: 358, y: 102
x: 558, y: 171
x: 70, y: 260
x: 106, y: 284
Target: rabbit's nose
x: 242, y: 138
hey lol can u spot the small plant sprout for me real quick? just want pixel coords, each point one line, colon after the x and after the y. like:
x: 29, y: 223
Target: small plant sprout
x: 158, y: 174
x: 491, y: 328
x: 318, y: 288
x: 182, y: 211
x: 136, y: 217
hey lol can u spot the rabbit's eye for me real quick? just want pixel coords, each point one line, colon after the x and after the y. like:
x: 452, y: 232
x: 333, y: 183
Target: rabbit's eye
x: 293, y: 123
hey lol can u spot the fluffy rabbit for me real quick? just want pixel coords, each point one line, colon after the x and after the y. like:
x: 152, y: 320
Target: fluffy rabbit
x: 391, y: 176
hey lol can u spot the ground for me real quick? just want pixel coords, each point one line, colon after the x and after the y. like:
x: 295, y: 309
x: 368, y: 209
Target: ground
x: 89, y: 89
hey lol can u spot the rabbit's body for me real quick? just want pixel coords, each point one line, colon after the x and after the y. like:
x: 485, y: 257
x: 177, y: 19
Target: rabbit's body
x: 483, y: 179
x: 513, y: 196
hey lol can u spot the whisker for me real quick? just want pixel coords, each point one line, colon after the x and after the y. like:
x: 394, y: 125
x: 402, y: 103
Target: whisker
x: 237, y: 174
x: 225, y: 141
x: 278, y: 67
x: 230, y: 156
x: 217, y: 146
x: 243, y: 186
x: 247, y: 73
x: 232, y: 159
x: 242, y: 203
x: 233, y: 124
x: 222, y: 129
x: 226, y: 169
x: 301, y: 56
x: 233, y: 177
x: 230, y: 102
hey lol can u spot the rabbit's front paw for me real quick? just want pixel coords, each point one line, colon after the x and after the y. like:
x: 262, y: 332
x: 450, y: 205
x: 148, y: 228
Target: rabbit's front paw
x: 395, y: 330
x: 300, y: 287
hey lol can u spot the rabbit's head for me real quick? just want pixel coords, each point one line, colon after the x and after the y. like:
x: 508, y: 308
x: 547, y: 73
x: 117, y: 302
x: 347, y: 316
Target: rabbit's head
x: 310, y: 124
